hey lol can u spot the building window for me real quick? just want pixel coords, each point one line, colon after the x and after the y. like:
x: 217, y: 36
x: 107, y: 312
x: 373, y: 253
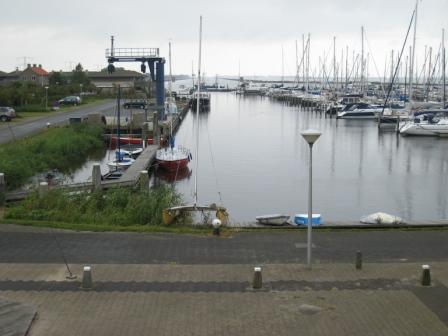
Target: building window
x: 33, y: 78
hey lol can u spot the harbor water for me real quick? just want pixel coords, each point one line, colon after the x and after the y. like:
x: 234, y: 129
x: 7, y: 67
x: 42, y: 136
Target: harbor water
x: 253, y: 160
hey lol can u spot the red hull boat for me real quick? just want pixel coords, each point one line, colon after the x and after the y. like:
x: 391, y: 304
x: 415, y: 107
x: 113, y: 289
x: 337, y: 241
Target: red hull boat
x: 173, y: 159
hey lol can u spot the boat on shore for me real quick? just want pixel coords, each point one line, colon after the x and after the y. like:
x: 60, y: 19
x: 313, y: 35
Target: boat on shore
x: 274, y: 219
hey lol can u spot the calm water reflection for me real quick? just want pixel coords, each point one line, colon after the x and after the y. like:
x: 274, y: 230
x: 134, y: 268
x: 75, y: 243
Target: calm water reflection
x: 252, y: 153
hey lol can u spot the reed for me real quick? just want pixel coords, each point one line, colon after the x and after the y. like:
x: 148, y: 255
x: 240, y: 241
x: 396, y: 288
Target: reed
x: 60, y: 148
x: 119, y: 207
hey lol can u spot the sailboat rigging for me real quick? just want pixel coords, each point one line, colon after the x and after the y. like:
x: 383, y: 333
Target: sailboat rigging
x: 122, y: 160
x: 170, y: 214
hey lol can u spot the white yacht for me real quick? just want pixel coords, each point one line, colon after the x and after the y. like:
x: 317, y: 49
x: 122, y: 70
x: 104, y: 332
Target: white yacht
x: 360, y: 111
x: 428, y: 124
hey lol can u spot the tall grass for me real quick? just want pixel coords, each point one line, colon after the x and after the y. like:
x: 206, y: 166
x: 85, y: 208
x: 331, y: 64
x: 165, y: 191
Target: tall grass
x: 115, y: 207
x: 56, y: 148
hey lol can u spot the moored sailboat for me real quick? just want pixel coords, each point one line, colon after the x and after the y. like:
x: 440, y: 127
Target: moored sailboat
x: 170, y: 214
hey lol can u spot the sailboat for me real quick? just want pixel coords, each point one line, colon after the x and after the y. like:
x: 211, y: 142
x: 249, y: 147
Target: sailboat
x: 172, y: 158
x: 170, y: 214
x: 429, y: 122
x: 122, y: 160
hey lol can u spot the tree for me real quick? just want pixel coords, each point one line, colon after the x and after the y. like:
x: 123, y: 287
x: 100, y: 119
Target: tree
x: 56, y: 78
x: 79, y: 76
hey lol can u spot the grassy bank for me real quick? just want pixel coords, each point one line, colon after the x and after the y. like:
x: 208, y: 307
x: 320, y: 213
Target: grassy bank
x: 25, y: 114
x: 55, y: 148
x: 114, y: 209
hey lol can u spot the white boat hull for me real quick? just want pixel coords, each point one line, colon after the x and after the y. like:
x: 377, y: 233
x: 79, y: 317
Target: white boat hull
x: 276, y: 219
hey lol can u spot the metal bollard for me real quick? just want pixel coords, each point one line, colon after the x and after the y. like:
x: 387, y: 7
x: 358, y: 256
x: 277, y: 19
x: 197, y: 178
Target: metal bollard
x: 258, y: 280
x: 358, y: 263
x: 87, y: 278
x: 426, y: 275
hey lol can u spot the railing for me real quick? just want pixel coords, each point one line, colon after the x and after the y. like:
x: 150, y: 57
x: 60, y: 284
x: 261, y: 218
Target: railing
x: 133, y: 52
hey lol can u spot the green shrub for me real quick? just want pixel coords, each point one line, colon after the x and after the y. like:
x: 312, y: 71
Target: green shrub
x: 62, y: 148
x: 116, y: 207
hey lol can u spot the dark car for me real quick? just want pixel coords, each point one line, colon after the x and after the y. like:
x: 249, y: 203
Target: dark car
x: 136, y: 104
x: 7, y: 113
x: 70, y: 100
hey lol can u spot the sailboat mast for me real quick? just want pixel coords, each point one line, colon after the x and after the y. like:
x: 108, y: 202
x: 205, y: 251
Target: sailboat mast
x: 303, y: 59
x: 198, y: 102
x: 334, y: 64
x: 118, y: 121
x: 443, y: 67
x: 411, y: 66
x: 362, y: 59
x: 170, y: 88
x: 283, y: 69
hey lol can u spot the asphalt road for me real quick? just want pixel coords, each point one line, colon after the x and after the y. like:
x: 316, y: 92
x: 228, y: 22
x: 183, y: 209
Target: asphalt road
x: 11, y: 131
x: 41, y: 246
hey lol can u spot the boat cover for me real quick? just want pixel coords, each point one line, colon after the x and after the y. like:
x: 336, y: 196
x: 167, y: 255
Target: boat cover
x: 381, y: 218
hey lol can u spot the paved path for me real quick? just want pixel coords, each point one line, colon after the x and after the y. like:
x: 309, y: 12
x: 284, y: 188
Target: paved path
x: 165, y: 284
x: 9, y: 131
x: 28, y: 246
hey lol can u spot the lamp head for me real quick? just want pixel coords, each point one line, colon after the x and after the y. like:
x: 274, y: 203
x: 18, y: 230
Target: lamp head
x: 311, y: 135
x: 216, y: 223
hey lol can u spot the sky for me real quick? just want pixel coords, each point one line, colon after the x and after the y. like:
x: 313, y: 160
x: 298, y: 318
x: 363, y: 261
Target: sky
x: 239, y: 36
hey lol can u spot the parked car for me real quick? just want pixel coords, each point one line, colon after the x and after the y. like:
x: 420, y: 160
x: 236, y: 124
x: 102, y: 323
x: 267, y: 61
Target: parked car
x: 135, y: 104
x: 7, y: 113
x: 70, y: 100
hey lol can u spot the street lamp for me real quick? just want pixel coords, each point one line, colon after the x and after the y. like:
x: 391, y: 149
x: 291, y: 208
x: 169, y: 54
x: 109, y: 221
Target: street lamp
x: 311, y: 137
x: 46, y: 98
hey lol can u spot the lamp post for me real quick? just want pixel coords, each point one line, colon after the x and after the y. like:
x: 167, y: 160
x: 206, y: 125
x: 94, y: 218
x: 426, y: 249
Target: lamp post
x: 46, y: 98
x: 311, y: 137
x: 80, y: 90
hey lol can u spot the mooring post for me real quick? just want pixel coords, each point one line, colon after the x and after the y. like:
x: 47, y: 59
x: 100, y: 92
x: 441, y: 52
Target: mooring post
x: 144, y: 134
x: 426, y: 275
x: 96, y: 176
x: 258, y: 281
x: 358, y: 260
x: 155, y: 128
x: 2, y: 189
x: 144, y: 180
x: 87, y: 278
x: 43, y: 189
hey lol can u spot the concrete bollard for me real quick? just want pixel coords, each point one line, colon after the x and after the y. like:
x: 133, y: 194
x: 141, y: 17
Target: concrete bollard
x: 2, y: 189
x: 144, y: 180
x: 43, y: 189
x: 96, y: 176
x: 258, y: 280
x: 426, y: 275
x: 87, y: 281
x: 358, y: 263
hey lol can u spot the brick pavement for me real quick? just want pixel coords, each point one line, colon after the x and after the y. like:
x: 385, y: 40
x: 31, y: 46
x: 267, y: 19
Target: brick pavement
x: 194, y: 300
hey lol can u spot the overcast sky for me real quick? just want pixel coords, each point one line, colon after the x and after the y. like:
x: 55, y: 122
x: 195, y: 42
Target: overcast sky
x: 60, y: 33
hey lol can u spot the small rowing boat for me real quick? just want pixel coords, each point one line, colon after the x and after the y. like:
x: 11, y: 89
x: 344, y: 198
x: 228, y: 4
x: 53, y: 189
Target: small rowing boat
x: 275, y: 219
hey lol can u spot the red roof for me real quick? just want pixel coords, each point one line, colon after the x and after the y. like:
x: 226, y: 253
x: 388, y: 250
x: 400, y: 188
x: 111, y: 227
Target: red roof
x: 39, y: 71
